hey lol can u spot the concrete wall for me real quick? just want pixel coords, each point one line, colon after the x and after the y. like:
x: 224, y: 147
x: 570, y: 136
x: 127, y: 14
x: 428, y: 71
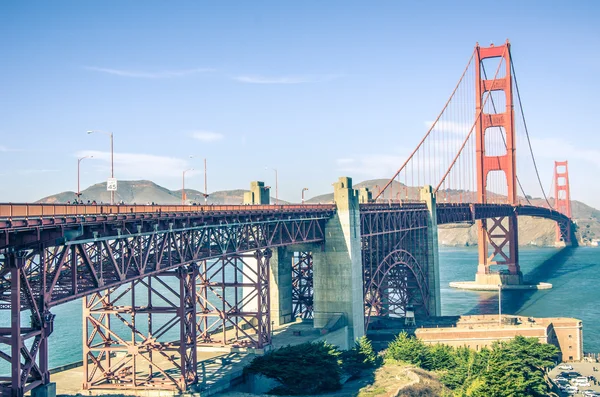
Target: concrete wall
x: 339, y: 338
x: 478, y: 331
x: 280, y: 285
x: 338, y: 273
x: 258, y: 194
x: 569, y: 332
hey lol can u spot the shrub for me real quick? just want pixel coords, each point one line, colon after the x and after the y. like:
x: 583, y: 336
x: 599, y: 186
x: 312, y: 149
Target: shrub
x: 360, y: 357
x: 308, y: 368
x: 442, y: 357
x: 410, y: 350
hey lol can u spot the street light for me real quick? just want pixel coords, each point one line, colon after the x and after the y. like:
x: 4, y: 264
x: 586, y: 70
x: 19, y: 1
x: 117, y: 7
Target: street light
x: 303, y: 190
x: 79, y: 160
x: 276, y: 185
x: 500, y: 304
x: 112, y: 158
x: 205, y: 181
x: 183, y: 186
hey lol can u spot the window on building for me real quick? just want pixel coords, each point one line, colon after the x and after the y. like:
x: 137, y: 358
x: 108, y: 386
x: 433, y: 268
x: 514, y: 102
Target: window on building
x: 570, y: 347
x: 570, y: 358
x: 570, y: 336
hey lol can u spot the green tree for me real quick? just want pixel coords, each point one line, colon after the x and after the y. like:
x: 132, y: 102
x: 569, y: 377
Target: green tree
x: 442, y: 357
x: 520, y: 363
x: 308, y: 368
x: 360, y: 357
x: 410, y: 350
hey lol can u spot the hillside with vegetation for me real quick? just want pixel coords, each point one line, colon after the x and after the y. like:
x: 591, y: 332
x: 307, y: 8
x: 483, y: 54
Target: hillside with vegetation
x: 408, y: 367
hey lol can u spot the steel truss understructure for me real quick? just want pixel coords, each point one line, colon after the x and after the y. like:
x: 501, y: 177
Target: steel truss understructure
x: 218, y: 293
x: 395, y: 255
x: 302, y: 285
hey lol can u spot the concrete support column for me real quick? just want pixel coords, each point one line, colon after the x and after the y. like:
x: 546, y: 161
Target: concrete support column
x: 433, y: 264
x: 280, y: 282
x: 337, y: 270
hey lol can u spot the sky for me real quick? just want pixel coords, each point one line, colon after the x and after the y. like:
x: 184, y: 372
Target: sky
x: 313, y: 89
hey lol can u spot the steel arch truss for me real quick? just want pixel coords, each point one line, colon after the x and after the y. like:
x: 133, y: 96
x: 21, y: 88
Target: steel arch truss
x: 399, y: 281
x: 302, y: 285
x: 142, y: 335
x: 395, y: 255
x: 233, y: 301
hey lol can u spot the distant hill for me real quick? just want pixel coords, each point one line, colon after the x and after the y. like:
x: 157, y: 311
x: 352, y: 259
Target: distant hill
x: 142, y: 192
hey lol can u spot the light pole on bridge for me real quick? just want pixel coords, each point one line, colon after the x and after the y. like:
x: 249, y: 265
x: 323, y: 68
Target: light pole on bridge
x: 79, y: 160
x: 112, y: 158
x: 205, y: 181
x: 303, y: 190
x: 276, y: 185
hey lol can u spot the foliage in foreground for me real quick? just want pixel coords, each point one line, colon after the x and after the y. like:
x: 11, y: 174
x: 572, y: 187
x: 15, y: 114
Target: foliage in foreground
x: 515, y: 368
x: 308, y: 368
x: 313, y: 368
x: 359, y: 358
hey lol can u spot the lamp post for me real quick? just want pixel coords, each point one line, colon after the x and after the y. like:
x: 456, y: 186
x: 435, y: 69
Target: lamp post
x: 499, y: 304
x: 276, y: 185
x: 205, y: 181
x: 79, y: 160
x: 303, y: 190
x: 183, y: 186
x: 112, y: 160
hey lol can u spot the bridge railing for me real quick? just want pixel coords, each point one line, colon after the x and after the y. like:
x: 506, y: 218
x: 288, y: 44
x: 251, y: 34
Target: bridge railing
x: 26, y: 210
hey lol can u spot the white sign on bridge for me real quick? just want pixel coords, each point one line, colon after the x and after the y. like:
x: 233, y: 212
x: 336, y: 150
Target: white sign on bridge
x: 111, y: 184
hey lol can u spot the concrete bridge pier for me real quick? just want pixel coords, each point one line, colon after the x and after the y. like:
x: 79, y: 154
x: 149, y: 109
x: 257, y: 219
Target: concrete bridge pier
x: 338, y: 273
x: 433, y: 264
x: 280, y: 281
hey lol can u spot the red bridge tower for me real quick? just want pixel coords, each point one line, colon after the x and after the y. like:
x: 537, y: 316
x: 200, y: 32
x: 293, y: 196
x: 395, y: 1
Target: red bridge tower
x: 562, y: 201
x: 497, y: 237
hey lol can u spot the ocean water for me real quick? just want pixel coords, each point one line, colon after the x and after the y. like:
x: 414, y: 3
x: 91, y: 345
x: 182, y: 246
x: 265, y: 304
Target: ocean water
x: 573, y: 272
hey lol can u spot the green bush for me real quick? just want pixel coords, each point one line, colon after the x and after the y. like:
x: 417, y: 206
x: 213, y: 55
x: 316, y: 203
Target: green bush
x: 410, y: 350
x: 515, y: 368
x: 308, y: 368
x: 442, y: 357
x: 360, y: 357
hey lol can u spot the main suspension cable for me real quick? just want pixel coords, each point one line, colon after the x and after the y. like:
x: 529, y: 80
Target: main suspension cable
x: 430, y: 129
x: 472, y: 127
x: 512, y: 67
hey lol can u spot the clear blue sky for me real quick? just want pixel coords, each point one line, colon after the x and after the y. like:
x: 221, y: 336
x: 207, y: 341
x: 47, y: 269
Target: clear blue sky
x: 296, y: 86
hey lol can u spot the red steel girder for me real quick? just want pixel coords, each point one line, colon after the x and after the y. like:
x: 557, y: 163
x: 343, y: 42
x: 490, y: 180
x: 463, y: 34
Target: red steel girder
x: 144, y: 340
x: 302, y: 285
x: 233, y: 300
x: 75, y: 269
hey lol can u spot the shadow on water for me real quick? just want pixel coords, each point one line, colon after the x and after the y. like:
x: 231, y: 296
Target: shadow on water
x: 514, y: 301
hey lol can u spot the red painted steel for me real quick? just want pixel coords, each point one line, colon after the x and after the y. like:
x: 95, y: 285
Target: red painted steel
x: 395, y: 257
x: 143, y: 336
x: 562, y: 201
x: 233, y: 301
x: 35, y: 210
x: 302, y: 285
x: 501, y: 234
